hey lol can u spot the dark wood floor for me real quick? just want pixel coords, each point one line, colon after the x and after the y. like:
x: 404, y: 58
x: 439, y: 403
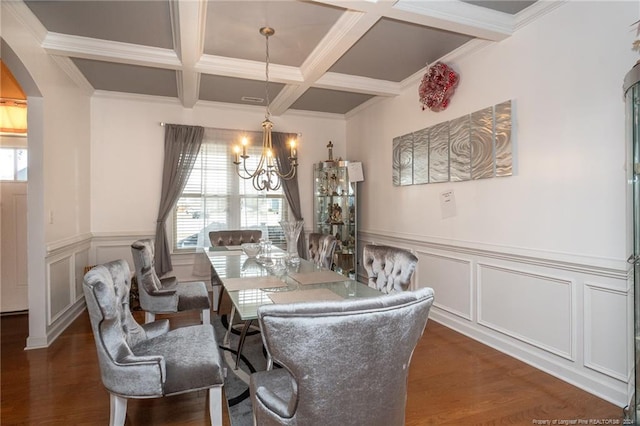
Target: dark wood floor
x: 453, y: 380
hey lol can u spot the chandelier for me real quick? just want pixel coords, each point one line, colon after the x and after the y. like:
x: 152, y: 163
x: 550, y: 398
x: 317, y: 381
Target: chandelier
x: 267, y: 175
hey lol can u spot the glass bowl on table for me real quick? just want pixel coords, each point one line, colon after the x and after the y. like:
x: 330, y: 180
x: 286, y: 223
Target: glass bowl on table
x: 276, y: 264
x: 251, y: 249
x: 268, y: 259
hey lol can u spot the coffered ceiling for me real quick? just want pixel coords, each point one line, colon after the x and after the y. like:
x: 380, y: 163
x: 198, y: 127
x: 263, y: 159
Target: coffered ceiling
x: 326, y: 56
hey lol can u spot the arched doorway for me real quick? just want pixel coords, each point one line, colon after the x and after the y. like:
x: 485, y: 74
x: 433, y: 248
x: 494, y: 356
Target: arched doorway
x: 13, y: 194
x: 35, y: 198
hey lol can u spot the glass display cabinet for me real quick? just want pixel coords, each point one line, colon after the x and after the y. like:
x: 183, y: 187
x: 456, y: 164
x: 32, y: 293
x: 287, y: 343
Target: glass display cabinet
x: 335, y: 212
x: 632, y: 101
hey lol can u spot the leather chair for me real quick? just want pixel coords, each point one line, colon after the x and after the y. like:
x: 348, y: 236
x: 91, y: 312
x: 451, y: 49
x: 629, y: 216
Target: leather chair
x: 389, y: 269
x: 165, y: 295
x: 233, y: 237
x: 343, y: 362
x: 321, y: 248
x: 147, y: 361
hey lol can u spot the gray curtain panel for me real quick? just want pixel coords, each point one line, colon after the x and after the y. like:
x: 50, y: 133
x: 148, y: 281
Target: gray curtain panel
x: 289, y: 187
x: 181, y: 147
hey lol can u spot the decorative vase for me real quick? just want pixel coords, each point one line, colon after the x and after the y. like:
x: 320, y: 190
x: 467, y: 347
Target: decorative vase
x: 292, y: 230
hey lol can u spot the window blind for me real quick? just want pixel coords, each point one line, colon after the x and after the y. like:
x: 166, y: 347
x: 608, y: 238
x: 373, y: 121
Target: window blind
x: 216, y: 198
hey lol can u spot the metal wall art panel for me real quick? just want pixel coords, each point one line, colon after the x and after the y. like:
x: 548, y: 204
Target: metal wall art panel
x: 475, y: 146
x: 504, y: 150
x: 421, y: 156
x: 439, y: 153
x: 460, y: 150
x: 482, y: 153
x: 403, y: 160
x: 395, y: 167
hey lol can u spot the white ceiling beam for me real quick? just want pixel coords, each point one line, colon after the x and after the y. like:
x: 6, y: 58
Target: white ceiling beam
x: 448, y: 15
x: 112, y: 51
x: 244, y: 68
x: 188, y: 28
x: 341, y: 37
x: 357, y: 84
x: 456, y: 16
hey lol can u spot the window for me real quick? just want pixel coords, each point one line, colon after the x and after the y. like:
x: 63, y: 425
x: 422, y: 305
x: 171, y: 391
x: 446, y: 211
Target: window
x: 216, y: 198
x: 13, y: 164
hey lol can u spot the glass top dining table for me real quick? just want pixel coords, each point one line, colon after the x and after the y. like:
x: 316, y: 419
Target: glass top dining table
x: 253, y: 282
x: 250, y: 282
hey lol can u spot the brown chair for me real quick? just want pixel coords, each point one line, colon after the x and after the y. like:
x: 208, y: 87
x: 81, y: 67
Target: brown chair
x: 228, y: 238
x: 321, y: 248
x: 389, y: 269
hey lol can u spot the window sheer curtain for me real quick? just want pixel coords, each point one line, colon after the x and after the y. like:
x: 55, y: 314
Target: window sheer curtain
x: 181, y: 147
x: 289, y: 187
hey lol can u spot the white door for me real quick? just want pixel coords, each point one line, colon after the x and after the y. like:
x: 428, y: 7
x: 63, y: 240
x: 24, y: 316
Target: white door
x: 13, y: 247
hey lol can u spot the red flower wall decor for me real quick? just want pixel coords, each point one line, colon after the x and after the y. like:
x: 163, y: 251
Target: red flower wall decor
x: 437, y: 87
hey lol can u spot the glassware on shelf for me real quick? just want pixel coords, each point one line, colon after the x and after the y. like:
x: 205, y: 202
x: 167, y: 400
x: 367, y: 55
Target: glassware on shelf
x: 335, y: 211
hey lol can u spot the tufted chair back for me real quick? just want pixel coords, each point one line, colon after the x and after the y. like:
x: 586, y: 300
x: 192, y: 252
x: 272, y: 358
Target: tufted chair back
x: 234, y: 237
x: 106, y: 289
x: 148, y: 360
x: 343, y: 362
x: 321, y: 248
x: 389, y: 269
x: 153, y: 295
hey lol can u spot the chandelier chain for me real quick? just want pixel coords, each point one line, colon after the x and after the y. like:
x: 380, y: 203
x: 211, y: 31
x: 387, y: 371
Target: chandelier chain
x: 267, y: 175
x: 266, y: 81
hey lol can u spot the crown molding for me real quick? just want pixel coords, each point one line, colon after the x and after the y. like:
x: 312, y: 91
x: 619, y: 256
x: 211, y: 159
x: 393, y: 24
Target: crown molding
x: 536, y: 11
x: 74, y: 73
x: 24, y: 15
x: 456, y: 16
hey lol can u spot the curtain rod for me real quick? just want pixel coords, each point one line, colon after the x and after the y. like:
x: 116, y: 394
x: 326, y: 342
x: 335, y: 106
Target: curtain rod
x: 162, y: 124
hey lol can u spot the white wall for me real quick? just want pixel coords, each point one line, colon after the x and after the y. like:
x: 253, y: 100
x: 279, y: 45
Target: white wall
x: 533, y: 264
x: 128, y: 149
x: 565, y: 77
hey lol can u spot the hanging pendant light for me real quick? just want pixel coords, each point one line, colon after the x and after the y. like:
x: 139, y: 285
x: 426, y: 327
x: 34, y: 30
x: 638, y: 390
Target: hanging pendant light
x: 267, y: 175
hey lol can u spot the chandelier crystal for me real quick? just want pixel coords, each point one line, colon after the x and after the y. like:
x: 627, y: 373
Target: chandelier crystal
x: 267, y: 175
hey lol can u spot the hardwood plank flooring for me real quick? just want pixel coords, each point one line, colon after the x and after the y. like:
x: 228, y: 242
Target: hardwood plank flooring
x: 453, y: 380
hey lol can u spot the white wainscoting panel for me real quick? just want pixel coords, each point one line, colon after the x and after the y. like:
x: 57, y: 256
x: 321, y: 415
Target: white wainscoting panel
x: 60, y: 297
x: 568, y: 315
x: 65, y: 264
x: 533, y: 308
x: 108, y: 253
x: 605, y: 323
x: 451, y: 279
x: 80, y: 261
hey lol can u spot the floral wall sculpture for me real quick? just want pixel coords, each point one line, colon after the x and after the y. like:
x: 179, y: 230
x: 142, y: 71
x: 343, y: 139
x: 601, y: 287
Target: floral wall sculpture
x: 474, y: 146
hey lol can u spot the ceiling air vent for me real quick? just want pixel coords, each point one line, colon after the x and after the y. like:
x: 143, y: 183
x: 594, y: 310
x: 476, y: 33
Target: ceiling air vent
x: 252, y: 99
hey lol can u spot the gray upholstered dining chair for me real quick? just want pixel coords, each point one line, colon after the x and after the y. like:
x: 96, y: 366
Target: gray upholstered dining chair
x: 389, y: 269
x: 147, y: 361
x: 321, y: 248
x: 165, y: 295
x: 232, y: 237
x: 343, y: 362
